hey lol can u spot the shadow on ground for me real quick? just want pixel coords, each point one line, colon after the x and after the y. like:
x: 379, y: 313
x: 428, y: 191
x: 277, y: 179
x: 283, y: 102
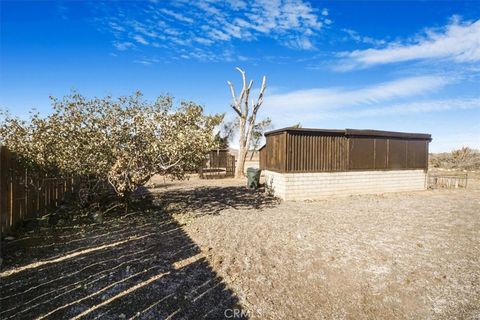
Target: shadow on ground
x: 139, y: 266
x: 212, y: 200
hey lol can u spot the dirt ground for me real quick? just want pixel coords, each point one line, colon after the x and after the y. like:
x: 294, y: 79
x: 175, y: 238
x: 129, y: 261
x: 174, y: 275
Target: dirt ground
x: 205, y: 248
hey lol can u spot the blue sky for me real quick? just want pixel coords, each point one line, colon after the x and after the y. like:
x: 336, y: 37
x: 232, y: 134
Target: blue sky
x: 390, y: 65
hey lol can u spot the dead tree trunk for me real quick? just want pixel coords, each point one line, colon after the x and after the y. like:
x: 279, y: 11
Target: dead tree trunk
x: 247, y: 114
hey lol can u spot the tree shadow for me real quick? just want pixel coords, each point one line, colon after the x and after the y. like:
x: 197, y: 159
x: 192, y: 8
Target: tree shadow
x: 140, y: 266
x: 212, y: 200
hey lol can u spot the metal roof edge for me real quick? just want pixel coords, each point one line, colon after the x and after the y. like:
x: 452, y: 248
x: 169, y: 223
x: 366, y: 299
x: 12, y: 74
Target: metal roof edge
x: 387, y: 134
x: 356, y: 132
x: 293, y: 129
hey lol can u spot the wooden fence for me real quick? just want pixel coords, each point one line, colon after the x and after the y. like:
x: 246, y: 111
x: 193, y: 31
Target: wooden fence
x: 217, y: 164
x: 23, y: 194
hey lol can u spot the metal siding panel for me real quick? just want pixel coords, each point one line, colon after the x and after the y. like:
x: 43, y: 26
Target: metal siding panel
x: 310, y: 152
x: 296, y: 155
x: 380, y: 154
x: 416, y: 154
x: 361, y: 154
x: 287, y: 151
x: 329, y: 153
x: 397, y: 154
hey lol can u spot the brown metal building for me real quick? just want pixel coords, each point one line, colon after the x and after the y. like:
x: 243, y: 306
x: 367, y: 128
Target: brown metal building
x: 320, y: 150
x: 293, y: 151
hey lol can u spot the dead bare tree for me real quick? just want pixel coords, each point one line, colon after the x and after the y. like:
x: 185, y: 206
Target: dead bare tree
x: 247, y: 113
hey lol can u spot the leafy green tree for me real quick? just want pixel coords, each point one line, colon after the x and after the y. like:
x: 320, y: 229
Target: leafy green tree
x: 221, y: 141
x: 257, y: 134
x: 122, y: 141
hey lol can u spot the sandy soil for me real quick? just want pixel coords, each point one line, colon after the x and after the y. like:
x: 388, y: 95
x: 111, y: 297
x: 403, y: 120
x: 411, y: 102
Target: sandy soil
x: 404, y: 255
x: 207, y: 246
x: 139, y: 265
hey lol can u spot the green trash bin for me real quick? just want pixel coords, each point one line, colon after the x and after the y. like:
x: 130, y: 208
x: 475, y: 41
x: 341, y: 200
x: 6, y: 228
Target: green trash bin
x: 253, y: 178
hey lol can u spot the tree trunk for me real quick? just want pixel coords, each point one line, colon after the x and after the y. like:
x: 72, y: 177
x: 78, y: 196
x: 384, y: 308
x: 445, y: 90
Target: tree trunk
x: 242, y: 108
x: 242, y: 153
x: 240, y: 165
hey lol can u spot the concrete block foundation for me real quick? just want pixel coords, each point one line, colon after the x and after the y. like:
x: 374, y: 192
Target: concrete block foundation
x: 318, y: 185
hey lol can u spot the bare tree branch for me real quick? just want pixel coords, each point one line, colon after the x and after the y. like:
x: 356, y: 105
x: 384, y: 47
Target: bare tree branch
x: 232, y: 90
x: 260, y: 95
x: 244, y: 94
x: 236, y: 110
x: 169, y: 166
x: 242, y: 106
x: 235, y: 101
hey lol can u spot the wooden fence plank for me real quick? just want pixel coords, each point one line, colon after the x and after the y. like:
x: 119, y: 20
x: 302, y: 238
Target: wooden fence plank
x: 23, y: 194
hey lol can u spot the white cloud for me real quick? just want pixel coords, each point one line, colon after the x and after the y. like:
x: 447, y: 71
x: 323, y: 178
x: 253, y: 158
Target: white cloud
x: 416, y: 107
x: 331, y: 118
x: 146, y: 61
x: 329, y: 106
x: 332, y: 98
x: 458, y: 41
x: 140, y: 39
x: 116, y: 27
x: 176, y: 16
x: 122, y: 46
x: 300, y: 42
x: 355, y: 36
x: 211, y: 25
x: 203, y: 40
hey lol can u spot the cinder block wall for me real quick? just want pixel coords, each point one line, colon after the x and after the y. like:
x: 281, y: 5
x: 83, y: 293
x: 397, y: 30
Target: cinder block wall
x: 305, y: 186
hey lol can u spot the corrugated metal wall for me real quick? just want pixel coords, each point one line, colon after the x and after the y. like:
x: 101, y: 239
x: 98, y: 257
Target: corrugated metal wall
x: 275, y: 152
x: 320, y: 152
x: 370, y: 153
x: 316, y: 153
x: 262, y: 155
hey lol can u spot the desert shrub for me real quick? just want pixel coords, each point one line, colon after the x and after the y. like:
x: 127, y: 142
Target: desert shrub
x: 122, y: 142
x: 464, y: 159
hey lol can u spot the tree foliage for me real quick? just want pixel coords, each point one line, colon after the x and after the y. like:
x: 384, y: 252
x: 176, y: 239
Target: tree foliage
x: 124, y: 141
x: 226, y: 133
x: 257, y: 133
x: 464, y: 159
